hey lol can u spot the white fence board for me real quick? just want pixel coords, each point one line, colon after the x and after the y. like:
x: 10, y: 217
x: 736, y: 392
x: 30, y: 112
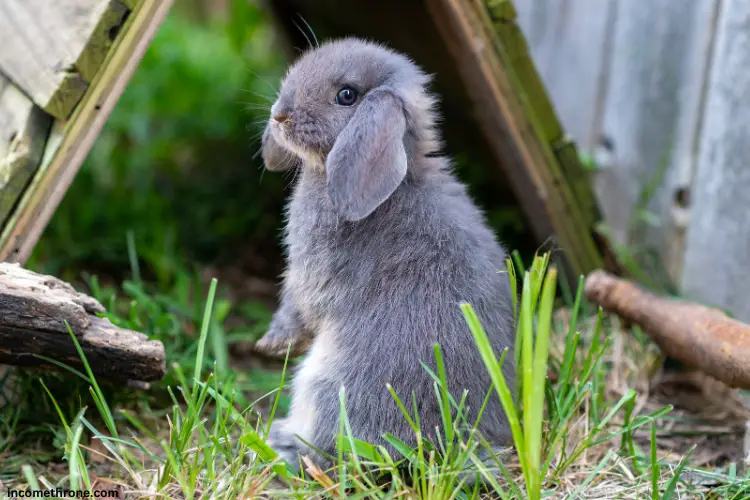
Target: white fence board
x: 716, y: 267
x: 628, y: 79
x: 568, y: 40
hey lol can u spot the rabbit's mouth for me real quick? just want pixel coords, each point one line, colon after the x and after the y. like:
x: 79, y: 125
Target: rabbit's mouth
x: 310, y: 157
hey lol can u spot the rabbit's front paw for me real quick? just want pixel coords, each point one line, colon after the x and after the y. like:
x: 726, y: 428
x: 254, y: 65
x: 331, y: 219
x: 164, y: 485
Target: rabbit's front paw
x: 284, y: 443
x: 278, y: 340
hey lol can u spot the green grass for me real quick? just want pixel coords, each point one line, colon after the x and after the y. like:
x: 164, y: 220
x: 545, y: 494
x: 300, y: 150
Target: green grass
x: 171, y: 186
x: 207, y: 439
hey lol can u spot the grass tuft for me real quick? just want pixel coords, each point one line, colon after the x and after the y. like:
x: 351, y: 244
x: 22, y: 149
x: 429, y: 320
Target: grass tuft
x: 576, y: 433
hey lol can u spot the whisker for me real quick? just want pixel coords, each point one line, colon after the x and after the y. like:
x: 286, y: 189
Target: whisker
x: 309, y: 43
x: 259, y: 121
x: 256, y: 136
x: 258, y: 94
x: 317, y: 44
x: 262, y: 79
x: 253, y: 107
x: 294, y: 172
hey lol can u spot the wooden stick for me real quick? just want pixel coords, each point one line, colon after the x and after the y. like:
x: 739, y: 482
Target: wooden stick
x: 699, y: 336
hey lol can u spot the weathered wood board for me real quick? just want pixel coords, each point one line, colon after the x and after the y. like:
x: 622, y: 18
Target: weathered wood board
x: 652, y: 73
x: 52, y: 49
x: 627, y: 78
x: 570, y: 42
x: 116, y: 56
x: 717, y: 246
x: 671, y: 107
x: 35, y: 313
x: 23, y: 133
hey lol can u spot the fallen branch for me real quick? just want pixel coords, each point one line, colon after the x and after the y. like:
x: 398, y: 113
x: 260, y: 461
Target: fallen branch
x: 34, y: 310
x: 699, y: 336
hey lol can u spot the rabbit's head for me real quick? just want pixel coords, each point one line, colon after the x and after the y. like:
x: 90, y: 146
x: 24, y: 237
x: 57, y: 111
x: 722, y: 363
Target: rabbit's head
x: 357, y: 111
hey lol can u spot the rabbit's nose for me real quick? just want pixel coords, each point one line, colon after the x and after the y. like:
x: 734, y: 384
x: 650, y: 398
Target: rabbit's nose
x: 281, y: 118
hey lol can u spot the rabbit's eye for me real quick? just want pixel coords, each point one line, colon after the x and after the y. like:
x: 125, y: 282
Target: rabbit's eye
x: 346, y: 96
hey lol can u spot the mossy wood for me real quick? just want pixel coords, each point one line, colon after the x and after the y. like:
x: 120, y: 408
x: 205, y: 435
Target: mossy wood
x: 63, y: 65
x: 23, y: 132
x: 496, y: 109
x: 514, y: 109
x: 52, y: 49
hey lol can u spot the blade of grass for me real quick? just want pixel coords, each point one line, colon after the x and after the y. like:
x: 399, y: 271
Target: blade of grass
x: 672, y: 485
x: 513, y: 280
x: 445, y: 409
x: 133, y: 256
x: 655, y: 469
x: 207, y: 313
x: 96, y: 392
x: 498, y: 380
x: 539, y: 382
x: 31, y: 479
x: 571, y: 342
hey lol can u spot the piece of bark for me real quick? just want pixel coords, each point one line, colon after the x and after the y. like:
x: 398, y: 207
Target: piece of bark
x: 113, y: 353
x: 38, y: 302
x: 699, y: 336
x: 34, y: 310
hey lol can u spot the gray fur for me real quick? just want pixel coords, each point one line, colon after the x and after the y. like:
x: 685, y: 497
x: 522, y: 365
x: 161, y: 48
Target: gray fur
x: 378, y: 282
x: 275, y: 157
x: 368, y: 160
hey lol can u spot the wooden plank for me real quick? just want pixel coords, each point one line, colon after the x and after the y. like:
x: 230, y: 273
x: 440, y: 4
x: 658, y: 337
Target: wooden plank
x: 533, y: 96
x: 718, y: 239
x: 23, y: 132
x: 516, y: 115
x: 655, y: 76
x: 51, y: 49
x: 50, y: 183
x: 570, y: 42
x: 678, y: 185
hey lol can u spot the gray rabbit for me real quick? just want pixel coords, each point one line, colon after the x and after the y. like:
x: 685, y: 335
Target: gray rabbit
x: 383, y: 244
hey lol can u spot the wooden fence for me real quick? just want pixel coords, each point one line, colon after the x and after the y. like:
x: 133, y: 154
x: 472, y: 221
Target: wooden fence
x: 658, y: 93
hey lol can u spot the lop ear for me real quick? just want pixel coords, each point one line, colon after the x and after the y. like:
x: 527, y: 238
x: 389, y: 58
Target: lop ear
x: 368, y: 160
x: 275, y: 157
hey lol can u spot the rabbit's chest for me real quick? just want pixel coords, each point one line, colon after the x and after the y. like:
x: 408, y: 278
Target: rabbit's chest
x: 320, y: 256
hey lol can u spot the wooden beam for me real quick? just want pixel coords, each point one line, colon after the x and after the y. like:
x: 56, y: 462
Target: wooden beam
x: 63, y: 159
x: 23, y: 133
x: 130, y: 4
x: 521, y: 125
x: 51, y: 49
